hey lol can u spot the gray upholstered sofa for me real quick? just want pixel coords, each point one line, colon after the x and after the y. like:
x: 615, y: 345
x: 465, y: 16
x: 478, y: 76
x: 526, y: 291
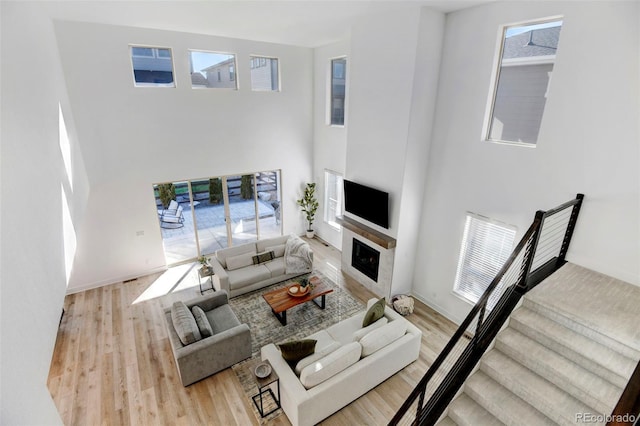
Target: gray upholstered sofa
x: 237, y: 272
x: 229, y: 343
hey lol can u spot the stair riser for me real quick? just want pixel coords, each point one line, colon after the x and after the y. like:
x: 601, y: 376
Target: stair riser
x: 544, y: 396
x: 599, y: 368
x: 539, y: 367
x: 582, y: 329
x: 502, y: 408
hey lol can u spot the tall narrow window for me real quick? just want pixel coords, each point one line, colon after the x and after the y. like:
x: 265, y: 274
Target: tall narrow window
x: 338, y: 80
x: 264, y: 74
x: 213, y: 70
x: 527, y: 56
x: 332, y: 197
x: 486, y: 246
x: 152, y: 66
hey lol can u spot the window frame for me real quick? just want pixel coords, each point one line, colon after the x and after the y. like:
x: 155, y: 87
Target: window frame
x: 462, y: 289
x: 338, y: 201
x: 330, y: 97
x: 495, y: 77
x: 233, y: 75
x: 155, y: 55
x: 260, y: 61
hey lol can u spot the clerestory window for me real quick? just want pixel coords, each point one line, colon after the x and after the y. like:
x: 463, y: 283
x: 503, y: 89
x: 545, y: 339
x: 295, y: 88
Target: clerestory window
x: 152, y: 66
x: 338, y: 91
x: 523, y: 76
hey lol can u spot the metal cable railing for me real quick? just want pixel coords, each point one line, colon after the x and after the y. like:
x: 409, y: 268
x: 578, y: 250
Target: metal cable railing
x: 540, y: 252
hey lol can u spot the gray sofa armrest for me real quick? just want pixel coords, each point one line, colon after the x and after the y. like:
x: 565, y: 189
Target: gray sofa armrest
x: 220, y: 277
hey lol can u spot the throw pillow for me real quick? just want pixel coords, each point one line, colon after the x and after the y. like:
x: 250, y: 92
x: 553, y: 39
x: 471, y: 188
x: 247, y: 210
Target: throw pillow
x: 375, y: 312
x: 184, y: 323
x: 294, y: 351
x: 203, y: 322
x: 263, y: 257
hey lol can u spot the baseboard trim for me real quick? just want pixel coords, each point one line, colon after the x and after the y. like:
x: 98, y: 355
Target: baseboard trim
x: 439, y: 309
x: 102, y: 283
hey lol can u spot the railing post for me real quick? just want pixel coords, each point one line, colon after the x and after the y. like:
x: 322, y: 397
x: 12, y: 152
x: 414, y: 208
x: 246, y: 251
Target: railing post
x: 570, y: 228
x: 530, y: 252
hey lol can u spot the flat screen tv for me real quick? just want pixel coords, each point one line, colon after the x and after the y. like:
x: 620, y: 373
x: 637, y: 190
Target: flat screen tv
x: 368, y: 203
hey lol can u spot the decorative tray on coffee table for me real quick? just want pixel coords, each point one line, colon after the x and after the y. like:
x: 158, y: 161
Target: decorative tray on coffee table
x: 296, y: 290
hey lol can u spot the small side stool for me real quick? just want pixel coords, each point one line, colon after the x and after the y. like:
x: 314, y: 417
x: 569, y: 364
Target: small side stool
x: 264, y: 388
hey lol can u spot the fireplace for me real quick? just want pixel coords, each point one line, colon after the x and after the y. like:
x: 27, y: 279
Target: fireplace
x: 365, y: 259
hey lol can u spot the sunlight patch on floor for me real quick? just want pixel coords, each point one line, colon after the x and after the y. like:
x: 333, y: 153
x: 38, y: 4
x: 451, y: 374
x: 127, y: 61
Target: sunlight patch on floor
x: 174, y: 279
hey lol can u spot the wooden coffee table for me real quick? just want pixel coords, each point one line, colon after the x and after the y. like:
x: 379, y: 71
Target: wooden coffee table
x: 281, y: 301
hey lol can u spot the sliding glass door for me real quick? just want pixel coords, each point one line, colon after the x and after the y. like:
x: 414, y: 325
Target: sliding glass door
x: 241, y: 204
x: 176, y: 221
x: 198, y: 217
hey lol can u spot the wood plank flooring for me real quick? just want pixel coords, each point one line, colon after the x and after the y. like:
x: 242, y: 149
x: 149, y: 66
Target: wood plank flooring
x: 112, y: 364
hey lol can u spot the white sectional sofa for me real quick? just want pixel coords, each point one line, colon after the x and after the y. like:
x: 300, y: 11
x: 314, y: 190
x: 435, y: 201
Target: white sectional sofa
x: 343, y: 368
x: 234, y: 269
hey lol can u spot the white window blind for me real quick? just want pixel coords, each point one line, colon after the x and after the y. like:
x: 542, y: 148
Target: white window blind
x: 486, y: 245
x: 332, y: 197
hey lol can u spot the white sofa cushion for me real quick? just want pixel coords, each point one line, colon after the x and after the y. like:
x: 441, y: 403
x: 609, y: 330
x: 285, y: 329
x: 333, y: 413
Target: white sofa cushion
x: 382, y: 336
x: 343, y: 331
x: 248, y: 275
x: 223, y: 254
x: 239, y: 261
x: 359, y: 334
x: 327, y: 367
x: 275, y: 266
x: 278, y: 251
x: 318, y: 354
x: 267, y: 243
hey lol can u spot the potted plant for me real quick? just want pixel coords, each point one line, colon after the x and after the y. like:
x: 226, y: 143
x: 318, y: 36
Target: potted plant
x: 204, y: 262
x: 309, y: 206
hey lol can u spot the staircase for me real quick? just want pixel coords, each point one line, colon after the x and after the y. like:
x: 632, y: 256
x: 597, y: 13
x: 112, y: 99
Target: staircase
x: 566, y: 355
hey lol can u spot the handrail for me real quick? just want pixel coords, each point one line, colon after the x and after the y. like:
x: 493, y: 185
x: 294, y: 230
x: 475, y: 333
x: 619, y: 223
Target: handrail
x: 513, y: 280
x: 627, y: 410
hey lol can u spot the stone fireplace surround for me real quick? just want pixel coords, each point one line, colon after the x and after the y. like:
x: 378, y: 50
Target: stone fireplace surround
x: 384, y: 244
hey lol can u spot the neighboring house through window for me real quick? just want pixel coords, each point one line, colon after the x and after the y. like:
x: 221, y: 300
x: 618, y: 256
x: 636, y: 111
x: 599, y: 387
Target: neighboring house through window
x: 264, y: 74
x: 152, y: 66
x: 212, y: 70
x: 527, y: 57
x: 338, y: 91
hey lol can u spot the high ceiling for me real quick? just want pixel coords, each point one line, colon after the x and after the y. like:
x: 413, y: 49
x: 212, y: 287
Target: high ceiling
x: 296, y: 22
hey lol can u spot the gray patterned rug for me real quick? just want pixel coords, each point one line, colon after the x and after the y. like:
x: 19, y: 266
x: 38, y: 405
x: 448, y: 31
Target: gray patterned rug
x: 302, y: 321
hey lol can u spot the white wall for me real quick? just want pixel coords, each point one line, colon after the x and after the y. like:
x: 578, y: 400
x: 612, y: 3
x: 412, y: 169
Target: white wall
x: 133, y: 137
x: 395, y: 59
x: 423, y: 102
x: 383, y: 56
x: 588, y: 143
x: 329, y: 142
x: 34, y: 187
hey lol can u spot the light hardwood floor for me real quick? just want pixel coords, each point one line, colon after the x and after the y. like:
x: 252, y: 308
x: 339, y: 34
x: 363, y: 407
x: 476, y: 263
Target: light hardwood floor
x: 112, y: 364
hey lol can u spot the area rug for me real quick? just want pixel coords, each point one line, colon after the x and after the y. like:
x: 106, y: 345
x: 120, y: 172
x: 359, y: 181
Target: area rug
x: 302, y: 321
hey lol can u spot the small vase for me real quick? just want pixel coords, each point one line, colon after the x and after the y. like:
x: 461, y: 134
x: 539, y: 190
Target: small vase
x: 310, y: 233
